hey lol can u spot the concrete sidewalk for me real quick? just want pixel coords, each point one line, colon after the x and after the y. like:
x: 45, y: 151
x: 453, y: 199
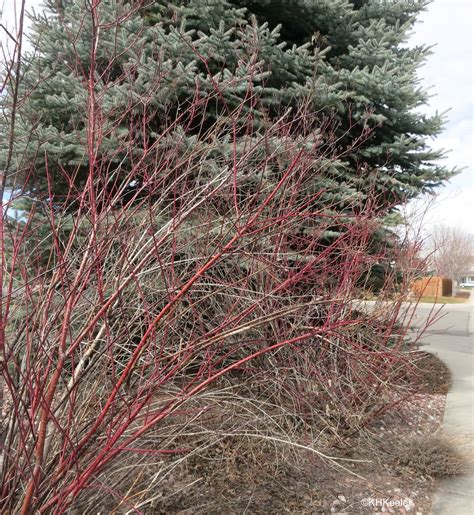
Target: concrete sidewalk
x: 456, y: 495
x: 442, y: 318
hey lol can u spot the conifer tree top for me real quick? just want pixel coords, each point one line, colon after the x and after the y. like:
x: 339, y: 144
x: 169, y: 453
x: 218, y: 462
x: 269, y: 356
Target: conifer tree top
x: 349, y: 61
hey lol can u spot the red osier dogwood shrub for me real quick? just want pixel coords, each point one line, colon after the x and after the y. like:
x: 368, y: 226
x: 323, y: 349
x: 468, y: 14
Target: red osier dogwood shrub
x: 125, y: 299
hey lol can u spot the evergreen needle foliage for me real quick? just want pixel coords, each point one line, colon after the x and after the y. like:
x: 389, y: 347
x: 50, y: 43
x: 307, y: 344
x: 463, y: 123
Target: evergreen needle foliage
x: 347, y: 60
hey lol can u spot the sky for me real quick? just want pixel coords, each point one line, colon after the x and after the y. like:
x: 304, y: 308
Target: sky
x: 448, y: 73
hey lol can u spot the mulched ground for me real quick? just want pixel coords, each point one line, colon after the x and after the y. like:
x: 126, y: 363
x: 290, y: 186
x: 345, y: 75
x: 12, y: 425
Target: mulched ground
x: 387, y: 478
x: 307, y: 484
x: 436, y: 376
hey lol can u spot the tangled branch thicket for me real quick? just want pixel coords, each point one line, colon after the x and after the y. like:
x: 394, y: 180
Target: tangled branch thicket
x: 146, y: 321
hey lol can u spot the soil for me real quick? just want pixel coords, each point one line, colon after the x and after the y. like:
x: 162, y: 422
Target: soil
x: 376, y: 483
x: 380, y: 479
x: 435, y: 374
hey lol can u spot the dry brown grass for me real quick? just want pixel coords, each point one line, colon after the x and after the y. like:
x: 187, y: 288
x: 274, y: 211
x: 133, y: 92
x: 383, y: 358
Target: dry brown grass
x: 434, y: 455
x: 231, y: 449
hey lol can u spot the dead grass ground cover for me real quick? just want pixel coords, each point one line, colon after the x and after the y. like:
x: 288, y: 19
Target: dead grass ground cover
x: 444, y: 300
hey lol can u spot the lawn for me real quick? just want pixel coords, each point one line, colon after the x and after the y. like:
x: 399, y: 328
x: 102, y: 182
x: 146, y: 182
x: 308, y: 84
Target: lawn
x: 443, y: 300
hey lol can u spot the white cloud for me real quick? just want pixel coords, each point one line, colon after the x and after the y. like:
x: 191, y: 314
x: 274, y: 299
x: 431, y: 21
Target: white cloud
x: 448, y: 73
x: 454, y: 209
x: 9, y: 16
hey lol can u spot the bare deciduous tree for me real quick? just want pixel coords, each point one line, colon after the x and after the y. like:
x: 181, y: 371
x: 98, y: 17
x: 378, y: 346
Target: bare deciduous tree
x: 452, y: 251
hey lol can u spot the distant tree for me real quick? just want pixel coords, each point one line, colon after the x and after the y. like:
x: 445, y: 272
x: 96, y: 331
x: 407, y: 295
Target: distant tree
x: 452, y: 251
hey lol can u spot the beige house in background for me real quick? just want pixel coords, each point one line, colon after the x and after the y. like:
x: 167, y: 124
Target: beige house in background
x: 468, y: 278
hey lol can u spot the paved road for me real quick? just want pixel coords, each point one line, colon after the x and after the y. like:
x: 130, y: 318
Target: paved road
x: 452, y: 319
x: 451, y: 338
